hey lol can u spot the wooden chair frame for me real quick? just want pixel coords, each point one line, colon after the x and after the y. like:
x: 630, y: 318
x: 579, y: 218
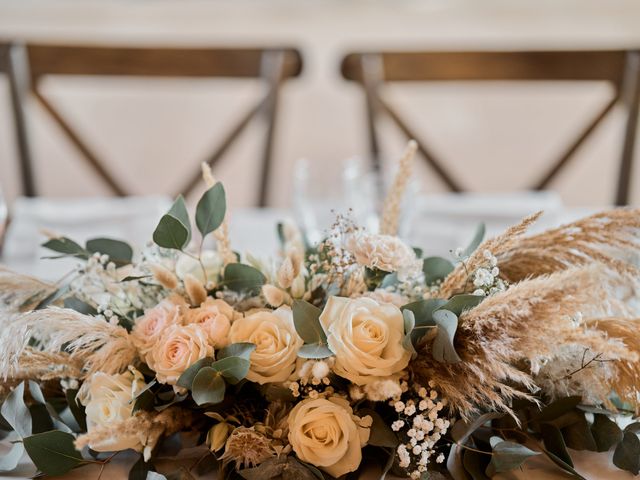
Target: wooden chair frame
x: 620, y: 68
x: 26, y: 65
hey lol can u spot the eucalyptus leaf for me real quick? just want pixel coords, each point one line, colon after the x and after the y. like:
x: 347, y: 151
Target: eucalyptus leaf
x: 186, y: 379
x: 435, y: 269
x: 157, y: 476
x: 139, y: 470
x: 459, y: 303
x: 208, y: 387
x: 389, y: 280
x: 77, y: 410
x: 475, y: 464
x: 240, y: 277
x: 563, y: 465
x: 462, y: 430
x: 211, y: 209
x: 306, y: 318
x: 508, y: 455
x: 554, y: 442
x: 10, y: 460
x: 443, y: 349
x: 119, y: 252
x: 380, y: 434
x: 409, y: 324
x: 16, y: 413
x: 66, y: 246
x: 423, y: 310
x: 174, y: 229
x: 78, y: 305
x: 240, y: 349
x: 606, y: 432
x: 314, y: 350
x: 53, y: 453
x: 50, y: 416
x: 558, y: 408
x: 627, y: 454
x: 478, y: 236
x: 579, y: 437
x: 233, y: 369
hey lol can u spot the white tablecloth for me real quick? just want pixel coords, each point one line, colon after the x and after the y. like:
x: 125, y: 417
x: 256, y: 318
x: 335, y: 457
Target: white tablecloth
x: 438, y: 224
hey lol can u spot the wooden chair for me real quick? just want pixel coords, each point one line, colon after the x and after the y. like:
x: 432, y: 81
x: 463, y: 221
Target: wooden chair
x: 618, y: 67
x: 28, y: 64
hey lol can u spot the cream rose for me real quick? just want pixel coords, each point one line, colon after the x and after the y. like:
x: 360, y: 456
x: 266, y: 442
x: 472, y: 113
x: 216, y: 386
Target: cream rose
x: 326, y: 434
x: 179, y: 347
x: 276, y: 341
x: 150, y: 327
x: 384, y: 252
x: 215, y: 317
x: 108, y: 399
x: 209, y: 259
x: 366, y: 338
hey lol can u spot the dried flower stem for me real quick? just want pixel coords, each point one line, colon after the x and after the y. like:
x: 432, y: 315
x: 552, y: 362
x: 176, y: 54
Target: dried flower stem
x: 391, y: 209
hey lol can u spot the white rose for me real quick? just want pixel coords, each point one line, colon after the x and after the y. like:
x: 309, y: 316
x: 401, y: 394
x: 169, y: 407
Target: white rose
x: 366, y: 338
x: 384, y: 252
x: 179, y: 347
x: 215, y: 317
x: 209, y: 259
x: 276, y: 340
x: 108, y: 399
x: 326, y: 434
x: 150, y: 327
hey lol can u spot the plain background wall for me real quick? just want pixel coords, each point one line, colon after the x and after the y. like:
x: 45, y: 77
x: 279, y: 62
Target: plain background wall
x: 495, y: 136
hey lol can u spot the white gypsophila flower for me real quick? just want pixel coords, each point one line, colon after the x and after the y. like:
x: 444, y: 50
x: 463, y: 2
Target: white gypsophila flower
x: 210, y: 263
x: 384, y: 252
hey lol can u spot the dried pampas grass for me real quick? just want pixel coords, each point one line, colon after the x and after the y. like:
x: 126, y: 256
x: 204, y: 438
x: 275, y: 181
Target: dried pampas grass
x: 92, y: 341
x: 20, y: 292
x: 456, y: 281
x: 504, y: 340
x: 605, y: 238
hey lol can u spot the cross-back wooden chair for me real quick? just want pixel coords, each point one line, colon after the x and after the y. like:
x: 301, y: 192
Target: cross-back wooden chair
x: 619, y: 68
x: 28, y: 64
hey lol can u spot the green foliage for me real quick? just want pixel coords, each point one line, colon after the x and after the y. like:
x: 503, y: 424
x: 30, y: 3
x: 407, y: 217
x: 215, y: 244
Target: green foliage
x: 507, y: 456
x: 478, y: 236
x: 174, y: 229
x: 436, y: 269
x: 66, y: 246
x: 380, y: 434
x: 306, y: 318
x: 211, y: 209
x: 16, y: 413
x: 233, y: 369
x: 74, y: 303
x: 606, y: 432
x: 186, y: 379
x: 53, y: 453
x: 460, y: 303
x: 119, y: 252
x: 627, y: 454
x: 208, y: 387
x: 240, y: 278
x: 409, y: 324
x: 314, y: 350
x: 240, y: 349
x: 442, y: 348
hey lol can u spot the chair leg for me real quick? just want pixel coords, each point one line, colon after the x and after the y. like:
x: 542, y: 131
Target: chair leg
x: 631, y: 98
x: 19, y: 85
x: 273, y: 63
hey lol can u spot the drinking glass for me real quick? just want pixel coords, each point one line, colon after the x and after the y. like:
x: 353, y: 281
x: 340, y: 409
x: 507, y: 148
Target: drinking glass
x: 320, y: 192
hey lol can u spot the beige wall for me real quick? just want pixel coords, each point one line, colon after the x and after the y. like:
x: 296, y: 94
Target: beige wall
x: 497, y: 137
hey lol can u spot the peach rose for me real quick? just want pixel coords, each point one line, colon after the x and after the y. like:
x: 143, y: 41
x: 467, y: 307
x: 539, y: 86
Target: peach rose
x: 150, y: 327
x: 276, y: 341
x: 215, y: 317
x: 326, y: 434
x: 384, y: 252
x: 366, y: 338
x: 179, y: 347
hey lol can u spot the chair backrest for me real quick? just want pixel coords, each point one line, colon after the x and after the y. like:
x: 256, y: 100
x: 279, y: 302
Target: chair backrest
x: 28, y: 64
x: 620, y: 68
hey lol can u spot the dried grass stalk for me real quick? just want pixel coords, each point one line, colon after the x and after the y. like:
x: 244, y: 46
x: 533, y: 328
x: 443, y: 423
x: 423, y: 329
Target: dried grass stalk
x: 456, y: 281
x: 38, y: 365
x: 503, y: 339
x: 603, y: 238
x: 97, y: 344
x: 21, y: 292
x: 393, y: 201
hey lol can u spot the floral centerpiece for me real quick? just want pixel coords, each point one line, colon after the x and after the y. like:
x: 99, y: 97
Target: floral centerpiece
x: 329, y: 357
